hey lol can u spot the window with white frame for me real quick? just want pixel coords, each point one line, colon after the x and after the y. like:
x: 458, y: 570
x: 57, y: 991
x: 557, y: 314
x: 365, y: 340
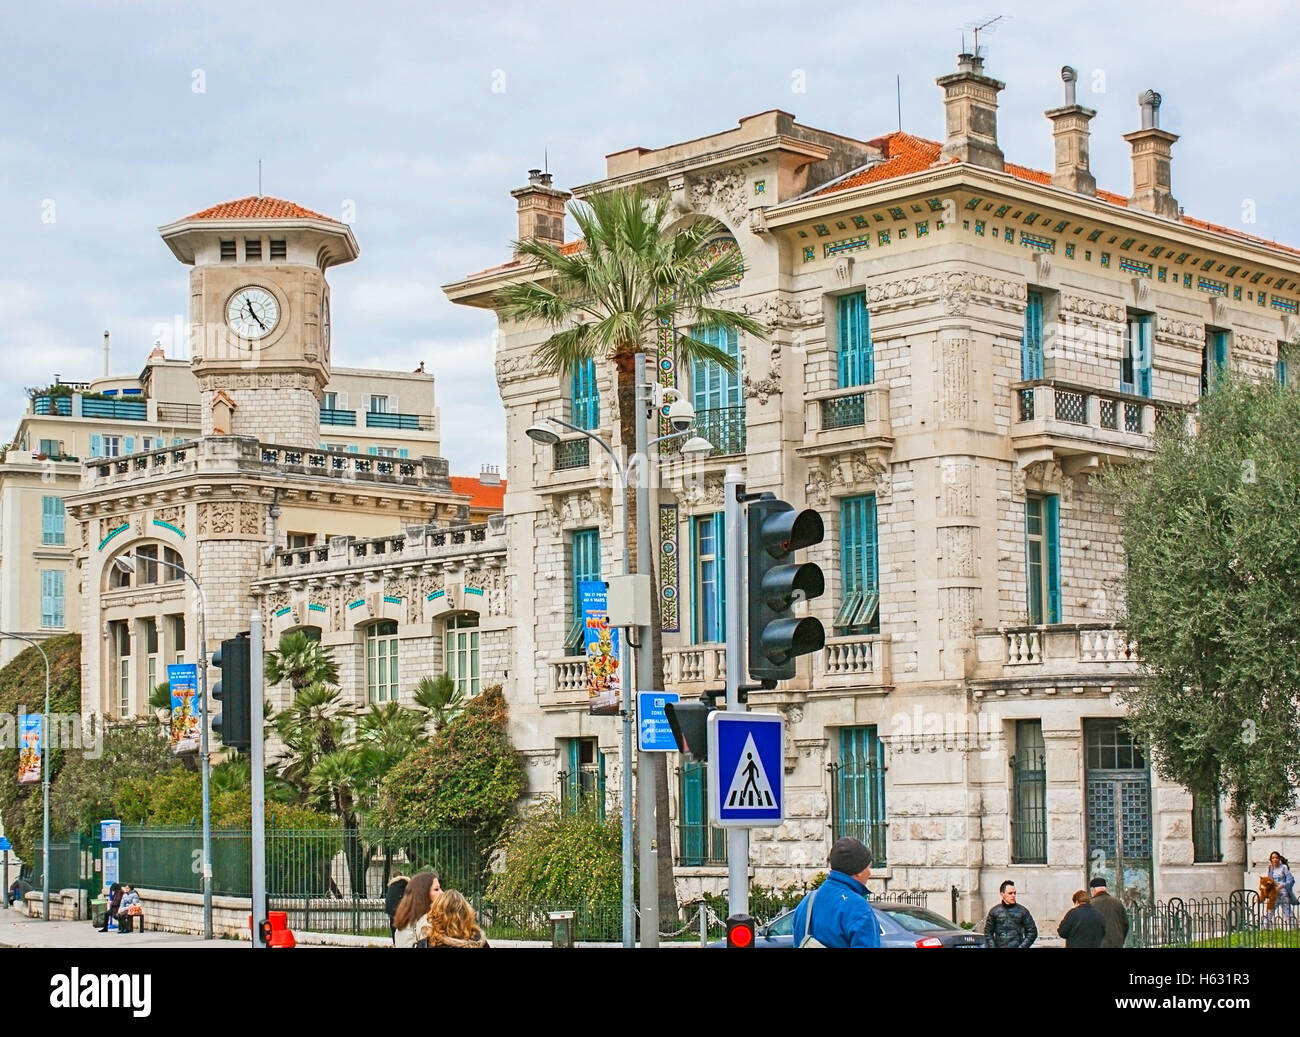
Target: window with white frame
x: 121, y: 637
x: 461, y: 660
x: 381, y: 661
x: 176, y: 631
x: 378, y: 404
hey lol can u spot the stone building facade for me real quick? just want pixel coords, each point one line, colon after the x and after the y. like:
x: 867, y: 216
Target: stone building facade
x: 253, y: 498
x: 958, y: 345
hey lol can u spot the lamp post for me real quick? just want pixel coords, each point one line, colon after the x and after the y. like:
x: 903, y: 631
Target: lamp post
x: 45, y: 777
x: 540, y: 433
x: 127, y: 563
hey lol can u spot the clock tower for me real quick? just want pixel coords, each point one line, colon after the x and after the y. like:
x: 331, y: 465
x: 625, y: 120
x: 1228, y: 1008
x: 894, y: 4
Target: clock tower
x: 260, y: 314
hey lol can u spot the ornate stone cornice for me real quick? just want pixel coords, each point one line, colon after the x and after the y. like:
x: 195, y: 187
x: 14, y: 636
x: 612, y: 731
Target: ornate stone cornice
x: 1086, y: 306
x: 845, y: 474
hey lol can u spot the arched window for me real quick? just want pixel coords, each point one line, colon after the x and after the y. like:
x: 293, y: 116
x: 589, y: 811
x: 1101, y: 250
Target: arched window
x: 381, y: 661
x: 461, y: 657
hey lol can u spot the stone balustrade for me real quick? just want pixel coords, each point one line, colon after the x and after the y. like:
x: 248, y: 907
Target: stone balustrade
x: 859, y: 659
x: 243, y: 455
x: 430, y: 541
x: 1059, y: 648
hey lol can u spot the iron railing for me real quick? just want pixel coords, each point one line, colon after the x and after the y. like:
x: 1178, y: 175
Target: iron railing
x: 332, y: 416
x: 1240, y: 920
x: 724, y: 427
x: 60, y: 405
x: 572, y: 453
x: 179, y: 413
x: 392, y: 419
x: 857, y: 801
x: 844, y: 411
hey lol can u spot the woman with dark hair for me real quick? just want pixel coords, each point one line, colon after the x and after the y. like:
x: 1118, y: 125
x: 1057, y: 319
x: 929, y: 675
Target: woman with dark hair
x: 110, y: 908
x: 392, y: 898
x: 409, y: 919
x: 451, y: 923
x: 1279, y: 870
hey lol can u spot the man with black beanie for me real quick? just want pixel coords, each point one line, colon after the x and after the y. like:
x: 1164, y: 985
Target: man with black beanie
x: 836, y: 913
x: 1112, y: 913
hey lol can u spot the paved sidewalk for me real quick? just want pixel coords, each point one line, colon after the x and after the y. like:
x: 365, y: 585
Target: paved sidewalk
x: 17, y: 930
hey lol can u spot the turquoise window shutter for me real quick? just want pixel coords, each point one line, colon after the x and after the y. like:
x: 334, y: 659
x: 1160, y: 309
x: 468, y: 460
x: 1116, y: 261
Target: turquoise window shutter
x: 1052, y: 540
x: 1142, y: 360
x: 177, y: 441
x: 403, y: 452
x: 720, y: 539
x: 584, y: 398
x: 1031, y: 344
x: 372, y: 450
x: 600, y: 783
x: 586, y: 563
x: 352, y: 448
x: 713, y: 387
x: 857, y: 354
x: 129, y: 442
x: 575, y: 775
x: 96, y: 446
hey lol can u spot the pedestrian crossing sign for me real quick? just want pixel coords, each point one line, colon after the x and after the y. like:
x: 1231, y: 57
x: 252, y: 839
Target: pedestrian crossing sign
x: 745, y: 769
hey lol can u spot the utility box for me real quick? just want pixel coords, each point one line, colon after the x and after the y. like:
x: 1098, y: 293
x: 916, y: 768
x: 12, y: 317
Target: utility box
x: 628, y: 601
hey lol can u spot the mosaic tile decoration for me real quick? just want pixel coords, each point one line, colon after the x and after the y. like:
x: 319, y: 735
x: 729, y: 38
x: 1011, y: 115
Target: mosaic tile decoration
x: 877, y: 217
x: 1069, y: 250
x: 938, y: 224
x: 1033, y: 216
x: 1187, y: 280
x: 1128, y: 244
x: 1060, y: 226
x: 1155, y: 252
x: 860, y: 221
x: 1010, y: 234
x: 821, y: 230
x: 1035, y: 242
x: 1160, y: 273
x: 1016, y: 215
x: 935, y: 204
x: 1182, y: 257
x: 917, y: 208
x: 1105, y: 259
x: 979, y: 228
x: 1213, y: 287
x: 902, y: 233
x: 760, y: 187
x: 1094, y: 235
x: 883, y: 237
x: 834, y: 248
x: 668, y: 568
x: 1134, y: 267
x: 897, y: 213
x: 1236, y: 291
x: 974, y: 203
x: 809, y: 253
x: 1285, y: 305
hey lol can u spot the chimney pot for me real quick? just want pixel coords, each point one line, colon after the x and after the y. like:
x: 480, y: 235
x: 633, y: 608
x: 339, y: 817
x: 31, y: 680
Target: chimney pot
x: 1152, y: 179
x: 1069, y: 76
x: 1070, y: 133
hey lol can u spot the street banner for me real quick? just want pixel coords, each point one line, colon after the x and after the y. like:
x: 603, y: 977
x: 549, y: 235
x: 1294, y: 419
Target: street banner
x: 184, y: 681
x: 29, y: 749
x: 600, y: 645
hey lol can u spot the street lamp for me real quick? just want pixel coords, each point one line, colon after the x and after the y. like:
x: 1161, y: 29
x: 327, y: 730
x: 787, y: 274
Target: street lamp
x: 45, y: 777
x: 126, y: 563
x: 543, y: 433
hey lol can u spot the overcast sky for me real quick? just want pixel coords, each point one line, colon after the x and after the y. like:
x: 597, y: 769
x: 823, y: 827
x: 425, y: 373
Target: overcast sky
x: 128, y: 116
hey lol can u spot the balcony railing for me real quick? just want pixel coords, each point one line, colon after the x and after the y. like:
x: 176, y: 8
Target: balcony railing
x: 331, y: 416
x: 1075, y: 419
x: 860, y: 658
x: 391, y: 419
x: 724, y: 427
x: 417, y: 541
x: 857, y: 414
x: 179, y: 413
x: 572, y: 453
x: 695, y: 664
x: 120, y: 410
x: 60, y: 405
x: 1055, y: 648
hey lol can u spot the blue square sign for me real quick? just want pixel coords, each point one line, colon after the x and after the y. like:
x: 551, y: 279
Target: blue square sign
x: 655, y: 735
x: 745, y: 769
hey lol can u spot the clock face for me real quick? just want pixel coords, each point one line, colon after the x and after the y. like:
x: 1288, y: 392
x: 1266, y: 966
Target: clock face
x: 252, y: 312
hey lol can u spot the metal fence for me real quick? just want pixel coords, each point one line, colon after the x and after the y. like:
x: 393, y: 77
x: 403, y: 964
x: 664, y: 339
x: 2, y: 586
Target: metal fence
x: 1240, y: 920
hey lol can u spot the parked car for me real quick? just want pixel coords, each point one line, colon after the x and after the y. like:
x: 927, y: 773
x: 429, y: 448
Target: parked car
x: 901, y: 925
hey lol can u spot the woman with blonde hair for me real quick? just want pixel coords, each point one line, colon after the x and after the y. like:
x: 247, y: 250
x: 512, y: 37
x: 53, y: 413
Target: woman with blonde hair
x: 409, y: 920
x: 451, y: 923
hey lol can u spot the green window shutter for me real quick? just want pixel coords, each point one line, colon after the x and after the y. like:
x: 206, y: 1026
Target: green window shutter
x: 856, y: 352
x: 177, y: 441
x: 1142, y: 361
x: 1052, y: 543
x: 1031, y: 344
x: 600, y: 783
x: 372, y: 450
x: 575, y: 775
x: 693, y: 837
x: 712, y: 387
x: 96, y: 446
x: 352, y: 448
x: 719, y: 537
x: 859, y: 790
x: 859, y: 566
x: 585, y: 565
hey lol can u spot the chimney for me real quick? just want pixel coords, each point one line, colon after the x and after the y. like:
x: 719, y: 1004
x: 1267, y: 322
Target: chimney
x: 106, y: 354
x: 490, y: 475
x: 1070, y: 132
x: 541, y: 209
x: 1152, y: 189
x: 970, y: 100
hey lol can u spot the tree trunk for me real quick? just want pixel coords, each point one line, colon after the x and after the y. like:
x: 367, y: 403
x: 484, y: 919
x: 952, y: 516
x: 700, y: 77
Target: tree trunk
x: 624, y: 364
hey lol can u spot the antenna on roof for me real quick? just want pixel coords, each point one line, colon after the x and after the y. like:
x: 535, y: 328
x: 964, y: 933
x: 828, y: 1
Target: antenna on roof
x: 985, y: 25
x: 546, y: 162
x: 898, y: 91
x: 259, y: 176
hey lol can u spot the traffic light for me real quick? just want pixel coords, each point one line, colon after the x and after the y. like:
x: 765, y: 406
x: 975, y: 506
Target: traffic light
x: 740, y: 931
x: 776, y: 582
x: 689, y: 723
x: 235, y: 693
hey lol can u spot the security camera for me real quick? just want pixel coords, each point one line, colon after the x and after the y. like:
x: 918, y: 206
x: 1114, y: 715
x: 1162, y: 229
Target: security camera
x: 680, y: 415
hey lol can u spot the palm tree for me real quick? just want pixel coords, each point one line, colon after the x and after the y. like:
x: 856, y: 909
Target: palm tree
x: 634, y: 276
x: 315, y: 725
x: 301, y: 661
x: 440, y: 699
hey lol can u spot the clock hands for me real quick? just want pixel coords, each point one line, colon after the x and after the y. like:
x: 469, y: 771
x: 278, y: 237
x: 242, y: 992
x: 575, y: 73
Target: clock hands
x: 249, y: 304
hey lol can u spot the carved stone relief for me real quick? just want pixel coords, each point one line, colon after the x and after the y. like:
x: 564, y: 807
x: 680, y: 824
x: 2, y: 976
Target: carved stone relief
x: 955, y: 375
x: 723, y: 193
x: 250, y: 518
x: 1087, y: 307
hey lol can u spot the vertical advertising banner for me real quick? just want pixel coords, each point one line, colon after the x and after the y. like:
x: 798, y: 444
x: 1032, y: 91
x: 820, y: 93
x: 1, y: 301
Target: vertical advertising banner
x: 601, y: 647
x: 184, y: 681
x: 29, y: 749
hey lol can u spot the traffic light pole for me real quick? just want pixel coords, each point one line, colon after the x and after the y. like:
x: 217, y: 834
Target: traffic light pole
x: 734, y: 540
x: 645, y: 786
x: 255, y: 753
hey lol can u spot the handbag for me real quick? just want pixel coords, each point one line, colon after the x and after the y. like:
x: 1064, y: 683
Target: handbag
x: 809, y: 940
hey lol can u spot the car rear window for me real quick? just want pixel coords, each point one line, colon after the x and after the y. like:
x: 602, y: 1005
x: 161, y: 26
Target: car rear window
x: 918, y: 919
x: 783, y: 926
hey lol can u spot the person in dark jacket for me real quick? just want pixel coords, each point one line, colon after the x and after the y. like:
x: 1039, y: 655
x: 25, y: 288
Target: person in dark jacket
x: 110, y: 907
x: 841, y: 916
x: 1009, y: 924
x: 1112, y: 913
x: 1082, y: 925
x: 392, y: 897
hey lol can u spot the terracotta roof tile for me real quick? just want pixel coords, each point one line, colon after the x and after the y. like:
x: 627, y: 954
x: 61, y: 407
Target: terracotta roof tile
x: 906, y: 154
x: 481, y: 495
x: 258, y: 207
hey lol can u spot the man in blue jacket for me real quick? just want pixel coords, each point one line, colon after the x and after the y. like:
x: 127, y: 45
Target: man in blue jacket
x: 841, y: 916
